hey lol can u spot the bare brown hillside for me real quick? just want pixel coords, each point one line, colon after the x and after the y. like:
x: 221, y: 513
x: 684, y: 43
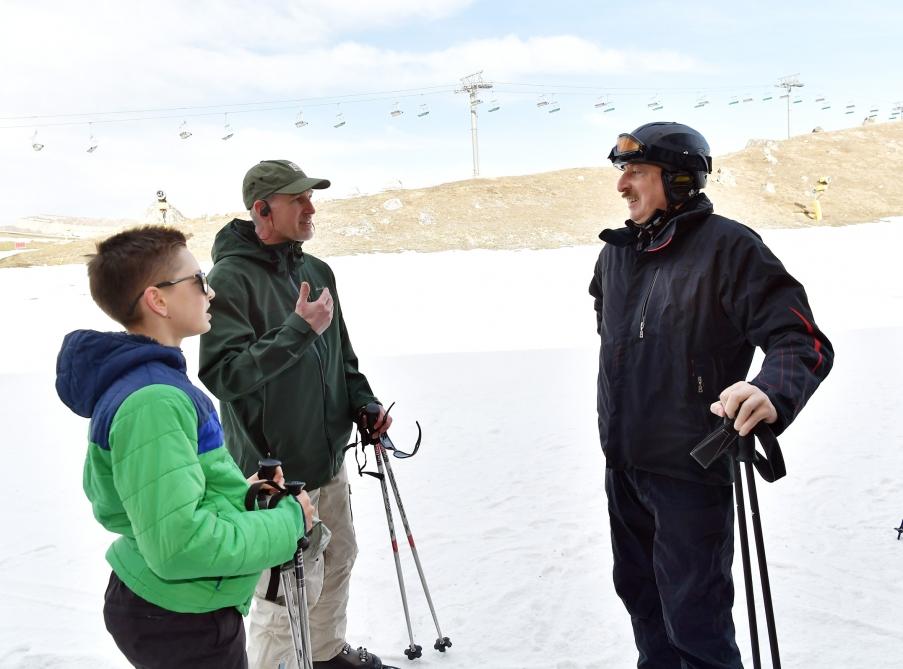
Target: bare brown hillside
x: 767, y: 184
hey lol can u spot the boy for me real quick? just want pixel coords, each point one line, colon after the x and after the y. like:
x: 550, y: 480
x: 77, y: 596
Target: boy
x: 157, y: 472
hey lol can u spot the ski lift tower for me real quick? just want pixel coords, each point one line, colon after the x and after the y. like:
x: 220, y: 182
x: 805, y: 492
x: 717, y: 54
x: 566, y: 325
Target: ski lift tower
x: 471, y: 84
x: 788, y: 83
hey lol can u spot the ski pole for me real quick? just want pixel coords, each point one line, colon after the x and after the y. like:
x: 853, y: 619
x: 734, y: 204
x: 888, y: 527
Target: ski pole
x: 746, y: 448
x: 442, y: 642
x: 413, y: 650
x: 724, y: 440
x: 747, y: 568
x: 294, y: 590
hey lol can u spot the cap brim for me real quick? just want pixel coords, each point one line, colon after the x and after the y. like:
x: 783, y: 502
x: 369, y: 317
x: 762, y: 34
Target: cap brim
x: 303, y: 184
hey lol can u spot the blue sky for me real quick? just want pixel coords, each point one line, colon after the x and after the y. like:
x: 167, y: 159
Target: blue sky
x: 135, y: 71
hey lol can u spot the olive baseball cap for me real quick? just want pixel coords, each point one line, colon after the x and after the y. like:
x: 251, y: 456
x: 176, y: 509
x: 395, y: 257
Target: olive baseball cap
x: 276, y: 176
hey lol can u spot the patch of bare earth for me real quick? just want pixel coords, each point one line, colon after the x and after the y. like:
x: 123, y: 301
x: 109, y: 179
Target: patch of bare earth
x: 767, y: 184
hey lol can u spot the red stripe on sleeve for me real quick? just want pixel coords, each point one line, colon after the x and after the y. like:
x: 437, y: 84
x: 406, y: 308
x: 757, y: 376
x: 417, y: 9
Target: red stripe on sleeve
x: 816, y: 342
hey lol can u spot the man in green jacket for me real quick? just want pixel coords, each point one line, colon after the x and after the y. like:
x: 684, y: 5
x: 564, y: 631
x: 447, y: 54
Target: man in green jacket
x: 280, y: 361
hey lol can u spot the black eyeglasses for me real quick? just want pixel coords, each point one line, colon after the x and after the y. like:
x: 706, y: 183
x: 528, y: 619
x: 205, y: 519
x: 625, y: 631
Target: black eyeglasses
x: 200, y: 276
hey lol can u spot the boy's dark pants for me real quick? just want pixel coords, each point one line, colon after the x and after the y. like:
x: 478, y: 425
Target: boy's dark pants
x: 151, y: 637
x: 673, y: 545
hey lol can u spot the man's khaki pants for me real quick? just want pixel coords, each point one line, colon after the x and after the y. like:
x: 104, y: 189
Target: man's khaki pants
x: 326, y: 580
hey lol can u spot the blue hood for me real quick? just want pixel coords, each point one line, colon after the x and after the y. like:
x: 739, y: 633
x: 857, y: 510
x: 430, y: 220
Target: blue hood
x: 89, y: 362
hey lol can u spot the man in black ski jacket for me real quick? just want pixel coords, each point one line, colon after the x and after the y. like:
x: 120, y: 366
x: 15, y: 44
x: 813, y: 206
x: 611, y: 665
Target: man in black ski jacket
x: 682, y: 298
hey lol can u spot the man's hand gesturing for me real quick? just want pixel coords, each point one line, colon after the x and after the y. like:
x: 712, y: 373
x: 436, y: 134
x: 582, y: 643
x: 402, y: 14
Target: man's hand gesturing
x: 318, y: 313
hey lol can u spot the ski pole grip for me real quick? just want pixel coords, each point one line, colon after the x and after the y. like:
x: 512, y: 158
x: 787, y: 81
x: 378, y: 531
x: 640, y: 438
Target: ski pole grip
x: 266, y: 468
x: 368, y: 416
x: 372, y: 410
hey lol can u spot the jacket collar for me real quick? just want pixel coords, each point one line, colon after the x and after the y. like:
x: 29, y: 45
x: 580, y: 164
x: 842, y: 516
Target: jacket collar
x: 239, y: 238
x: 697, y: 209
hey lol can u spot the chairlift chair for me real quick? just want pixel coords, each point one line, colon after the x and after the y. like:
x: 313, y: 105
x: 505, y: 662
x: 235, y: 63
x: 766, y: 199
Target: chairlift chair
x: 701, y: 102
x: 494, y: 106
x: 554, y: 107
x: 339, y: 120
x: 747, y: 99
x: 227, y: 128
x: 767, y: 97
x: 733, y: 101
x: 424, y: 110
x: 299, y: 120
x: 396, y: 111
x: 820, y: 98
x: 826, y: 105
x: 850, y: 108
x: 605, y: 104
x: 184, y: 132
x: 35, y: 144
x: 797, y: 100
x: 542, y: 102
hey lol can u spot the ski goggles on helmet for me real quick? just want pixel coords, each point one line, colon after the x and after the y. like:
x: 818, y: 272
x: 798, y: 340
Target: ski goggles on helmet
x: 627, y: 148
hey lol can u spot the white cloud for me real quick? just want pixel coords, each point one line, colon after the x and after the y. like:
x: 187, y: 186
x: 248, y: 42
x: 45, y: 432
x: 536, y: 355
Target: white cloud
x: 94, y: 56
x: 512, y: 56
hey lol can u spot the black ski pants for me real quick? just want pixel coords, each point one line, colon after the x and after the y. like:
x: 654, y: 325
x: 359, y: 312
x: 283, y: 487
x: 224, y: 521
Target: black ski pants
x: 154, y: 638
x: 673, y: 545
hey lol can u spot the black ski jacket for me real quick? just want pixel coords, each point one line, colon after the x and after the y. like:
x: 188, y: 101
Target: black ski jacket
x: 679, y: 320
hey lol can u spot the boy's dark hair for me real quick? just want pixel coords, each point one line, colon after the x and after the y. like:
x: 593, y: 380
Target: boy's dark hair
x: 127, y: 263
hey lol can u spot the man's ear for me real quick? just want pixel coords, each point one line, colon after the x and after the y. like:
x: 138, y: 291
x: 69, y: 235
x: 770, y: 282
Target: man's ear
x: 261, y: 208
x: 260, y: 212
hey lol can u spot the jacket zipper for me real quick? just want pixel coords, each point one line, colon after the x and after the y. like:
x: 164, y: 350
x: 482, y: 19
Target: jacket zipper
x: 322, y: 383
x: 323, y: 386
x: 646, y: 304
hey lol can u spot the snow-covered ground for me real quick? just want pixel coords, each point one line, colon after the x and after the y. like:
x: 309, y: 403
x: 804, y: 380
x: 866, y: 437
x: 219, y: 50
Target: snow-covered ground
x: 495, y: 354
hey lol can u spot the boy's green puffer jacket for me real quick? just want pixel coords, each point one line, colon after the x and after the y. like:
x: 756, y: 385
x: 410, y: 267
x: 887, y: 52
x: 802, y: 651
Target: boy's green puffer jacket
x: 157, y: 474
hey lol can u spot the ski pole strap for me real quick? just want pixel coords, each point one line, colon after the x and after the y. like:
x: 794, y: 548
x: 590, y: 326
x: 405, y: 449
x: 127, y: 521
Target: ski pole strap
x: 725, y: 440
x: 254, y: 491
x: 251, y: 498
x: 770, y: 465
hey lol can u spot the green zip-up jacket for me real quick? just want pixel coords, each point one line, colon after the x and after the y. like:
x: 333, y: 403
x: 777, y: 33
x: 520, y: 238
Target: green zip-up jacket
x: 157, y: 474
x: 285, y: 392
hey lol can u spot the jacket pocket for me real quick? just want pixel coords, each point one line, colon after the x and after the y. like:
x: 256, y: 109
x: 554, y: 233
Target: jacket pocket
x: 702, y: 377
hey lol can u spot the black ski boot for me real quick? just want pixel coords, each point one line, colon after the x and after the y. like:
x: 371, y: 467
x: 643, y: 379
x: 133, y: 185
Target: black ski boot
x: 353, y: 659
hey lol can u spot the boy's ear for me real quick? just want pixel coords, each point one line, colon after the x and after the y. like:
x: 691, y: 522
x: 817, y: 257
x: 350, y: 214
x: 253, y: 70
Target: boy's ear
x: 155, y: 300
